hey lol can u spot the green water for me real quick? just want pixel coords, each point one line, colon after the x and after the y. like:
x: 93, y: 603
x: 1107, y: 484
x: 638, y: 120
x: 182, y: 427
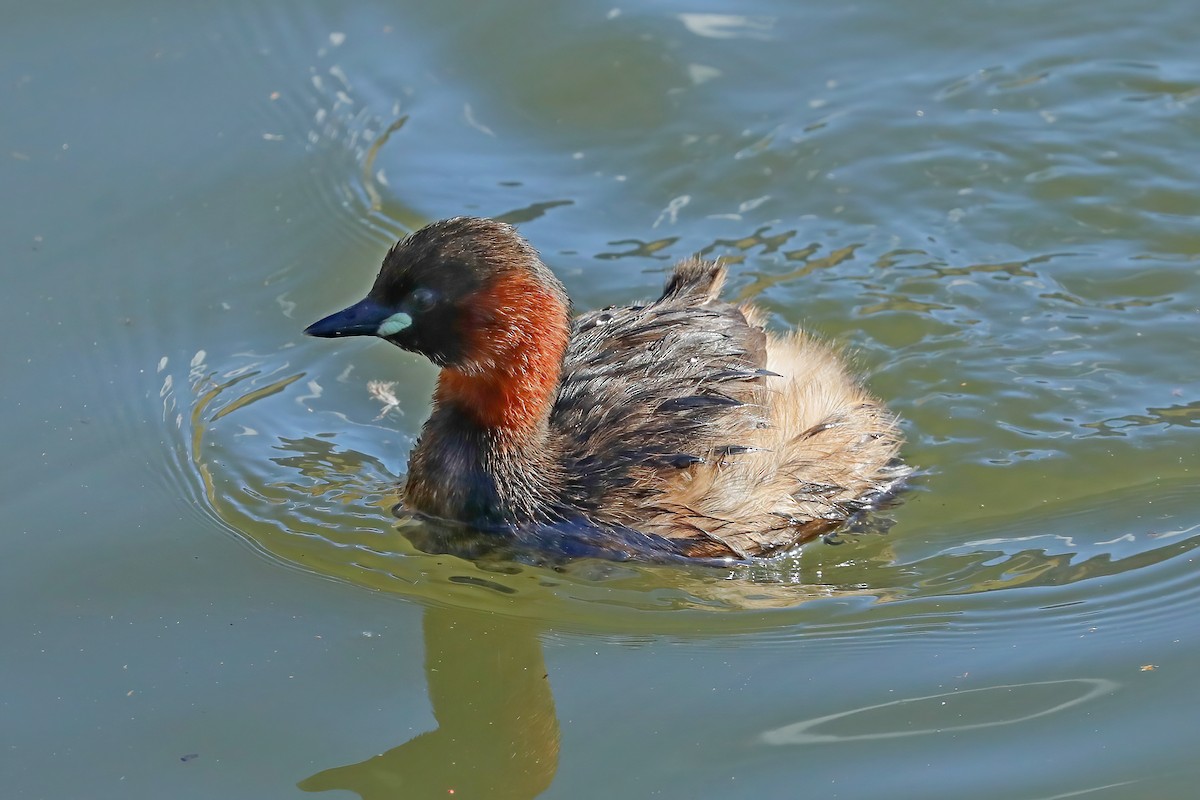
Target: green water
x: 993, y: 206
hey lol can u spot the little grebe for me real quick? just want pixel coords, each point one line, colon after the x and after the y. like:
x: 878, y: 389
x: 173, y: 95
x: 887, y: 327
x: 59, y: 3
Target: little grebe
x: 673, y: 427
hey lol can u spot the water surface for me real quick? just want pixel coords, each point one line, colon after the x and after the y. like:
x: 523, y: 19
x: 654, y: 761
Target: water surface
x: 993, y: 210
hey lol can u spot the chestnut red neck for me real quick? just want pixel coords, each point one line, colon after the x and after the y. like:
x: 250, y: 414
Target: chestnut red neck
x: 516, y: 331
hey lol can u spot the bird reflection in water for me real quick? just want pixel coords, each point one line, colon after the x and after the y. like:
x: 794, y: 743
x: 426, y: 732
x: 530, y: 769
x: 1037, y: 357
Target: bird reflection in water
x: 497, y: 734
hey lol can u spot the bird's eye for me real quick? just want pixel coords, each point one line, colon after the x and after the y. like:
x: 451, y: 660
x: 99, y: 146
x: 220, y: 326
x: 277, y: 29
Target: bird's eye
x: 422, y: 298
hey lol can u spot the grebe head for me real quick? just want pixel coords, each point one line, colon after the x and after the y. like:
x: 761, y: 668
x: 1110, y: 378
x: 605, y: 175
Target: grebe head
x: 469, y: 294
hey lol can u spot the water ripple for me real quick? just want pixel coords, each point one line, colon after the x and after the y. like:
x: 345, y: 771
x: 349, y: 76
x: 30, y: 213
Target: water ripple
x: 321, y: 502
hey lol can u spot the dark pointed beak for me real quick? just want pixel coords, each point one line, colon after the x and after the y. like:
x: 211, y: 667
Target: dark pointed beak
x: 361, y: 319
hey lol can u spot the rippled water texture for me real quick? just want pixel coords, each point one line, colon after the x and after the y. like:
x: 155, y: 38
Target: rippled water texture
x: 994, y: 209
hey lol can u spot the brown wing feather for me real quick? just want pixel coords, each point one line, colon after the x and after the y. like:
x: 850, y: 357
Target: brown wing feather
x: 744, y: 445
